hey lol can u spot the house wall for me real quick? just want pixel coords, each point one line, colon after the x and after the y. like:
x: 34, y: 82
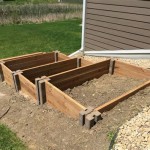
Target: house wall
x: 117, y: 25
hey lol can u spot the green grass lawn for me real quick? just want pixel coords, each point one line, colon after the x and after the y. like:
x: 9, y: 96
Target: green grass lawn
x: 64, y: 36
x: 9, y: 141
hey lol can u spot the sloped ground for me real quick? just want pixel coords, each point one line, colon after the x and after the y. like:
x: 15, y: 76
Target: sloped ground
x: 43, y: 128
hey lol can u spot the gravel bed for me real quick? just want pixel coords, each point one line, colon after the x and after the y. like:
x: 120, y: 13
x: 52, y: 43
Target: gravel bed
x: 145, y: 63
x: 135, y: 134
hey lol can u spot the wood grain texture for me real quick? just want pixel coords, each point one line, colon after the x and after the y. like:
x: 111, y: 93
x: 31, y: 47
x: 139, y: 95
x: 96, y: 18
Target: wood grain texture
x: 50, y: 69
x: 27, y: 87
x: 132, y: 71
x: 112, y: 103
x: 22, y: 56
x: 7, y: 74
x: 30, y: 61
x: 75, y: 77
x: 62, y: 102
x: 62, y: 56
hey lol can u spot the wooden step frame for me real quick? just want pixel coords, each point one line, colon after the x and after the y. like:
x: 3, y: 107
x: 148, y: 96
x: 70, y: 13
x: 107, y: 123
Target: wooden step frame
x: 26, y: 79
x: 9, y: 65
x: 46, y: 82
x: 52, y: 89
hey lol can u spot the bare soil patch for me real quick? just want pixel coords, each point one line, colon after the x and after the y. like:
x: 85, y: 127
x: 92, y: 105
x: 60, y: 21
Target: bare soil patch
x: 43, y: 128
x: 99, y: 91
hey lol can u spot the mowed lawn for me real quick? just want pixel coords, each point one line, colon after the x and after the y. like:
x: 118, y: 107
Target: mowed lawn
x: 9, y: 141
x: 64, y: 36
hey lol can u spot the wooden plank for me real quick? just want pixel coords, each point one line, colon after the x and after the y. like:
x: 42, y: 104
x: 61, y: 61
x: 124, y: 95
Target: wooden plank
x: 80, y: 70
x: 32, y: 58
x: 7, y: 74
x: 85, y: 62
x: 119, y: 21
x: 118, y: 8
x: 109, y: 105
x: 130, y: 3
x: 22, y: 56
x: 71, y: 82
x: 50, y: 69
x: 132, y: 71
x: 30, y: 62
x: 62, y: 101
x: 27, y: 87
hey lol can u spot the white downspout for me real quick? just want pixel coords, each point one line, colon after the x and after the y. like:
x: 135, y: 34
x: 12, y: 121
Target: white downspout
x: 83, y: 31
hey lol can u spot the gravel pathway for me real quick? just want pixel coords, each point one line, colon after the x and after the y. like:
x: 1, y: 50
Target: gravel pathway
x: 135, y: 134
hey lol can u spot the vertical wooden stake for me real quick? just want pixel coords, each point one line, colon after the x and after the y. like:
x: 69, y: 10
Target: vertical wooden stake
x: 16, y: 80
x: 78, y: 62
x: 1, y: 71
x: 111, y: 67
x: 42, y: 90
x: 37, y: 90
x: 56, y: 56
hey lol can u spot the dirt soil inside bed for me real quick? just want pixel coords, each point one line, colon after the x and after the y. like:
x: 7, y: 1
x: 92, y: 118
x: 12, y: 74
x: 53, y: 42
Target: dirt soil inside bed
x: 43, y: 128
x: 99, y: 91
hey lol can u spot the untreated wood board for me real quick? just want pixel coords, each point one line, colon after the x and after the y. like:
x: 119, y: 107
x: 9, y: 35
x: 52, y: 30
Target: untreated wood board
x: 62, y: 56
x: 80, y: 70
x: 22, y: 56
x: 30, y: 61
x: 7, y: 73
x: 62, y: 102
x: 109, y: 105
x: 78, y: 79
x: 50, y: 69
x: 27, y: 87
x: 132, y: 71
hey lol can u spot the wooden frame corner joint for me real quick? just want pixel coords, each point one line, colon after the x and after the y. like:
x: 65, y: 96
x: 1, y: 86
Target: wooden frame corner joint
x: 83, y: 114
x: 56, y: 55
x: 16, y: 79
x: 92, y: 118
x: 111, y: 66
x: 78, y: 62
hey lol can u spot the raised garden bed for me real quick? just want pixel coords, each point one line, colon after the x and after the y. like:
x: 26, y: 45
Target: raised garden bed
x: 46, y: 82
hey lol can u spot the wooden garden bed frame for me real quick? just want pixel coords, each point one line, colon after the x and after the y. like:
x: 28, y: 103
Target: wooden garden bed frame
x: 10, y: 65
x: 48, y: 74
